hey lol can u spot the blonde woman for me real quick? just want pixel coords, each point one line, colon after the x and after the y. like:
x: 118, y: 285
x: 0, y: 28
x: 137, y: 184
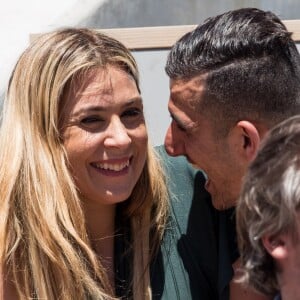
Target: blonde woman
x: 80, y: 188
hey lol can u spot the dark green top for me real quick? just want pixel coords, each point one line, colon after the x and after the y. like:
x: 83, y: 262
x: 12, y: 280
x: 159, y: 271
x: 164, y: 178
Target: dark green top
x: 194, y: 261
x: 199, y: 244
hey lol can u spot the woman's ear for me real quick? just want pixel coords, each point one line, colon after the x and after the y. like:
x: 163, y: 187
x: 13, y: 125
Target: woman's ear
x: 276, y: 246
x: 248, y: 139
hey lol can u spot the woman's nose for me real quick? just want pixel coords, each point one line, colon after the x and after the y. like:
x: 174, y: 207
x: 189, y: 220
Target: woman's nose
x: 117, y: 134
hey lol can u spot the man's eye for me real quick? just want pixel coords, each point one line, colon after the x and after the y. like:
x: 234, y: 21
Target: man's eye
x: 181, y: 128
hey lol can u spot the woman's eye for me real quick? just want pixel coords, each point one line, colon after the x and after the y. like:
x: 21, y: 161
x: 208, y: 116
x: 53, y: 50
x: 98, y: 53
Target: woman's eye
x: 132, y: 112
x: 90, y: 120
x: 92, y: 123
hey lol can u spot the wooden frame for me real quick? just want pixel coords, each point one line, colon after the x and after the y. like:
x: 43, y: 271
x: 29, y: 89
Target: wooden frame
x: 163, y: 37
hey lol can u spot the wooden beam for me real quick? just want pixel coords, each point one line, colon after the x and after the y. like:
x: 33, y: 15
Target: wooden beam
x: 148, y: 38
x: 163, y: 37
x: 294, y: 27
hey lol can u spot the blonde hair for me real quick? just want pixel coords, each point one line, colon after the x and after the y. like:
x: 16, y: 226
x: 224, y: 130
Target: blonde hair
x: 46, y: 251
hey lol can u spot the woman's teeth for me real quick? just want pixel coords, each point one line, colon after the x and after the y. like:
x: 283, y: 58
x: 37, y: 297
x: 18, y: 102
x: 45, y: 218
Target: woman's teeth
x: 113, y: 167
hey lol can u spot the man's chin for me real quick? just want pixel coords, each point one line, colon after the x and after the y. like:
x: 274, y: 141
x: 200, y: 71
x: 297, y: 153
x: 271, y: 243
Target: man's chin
x: 222, y: 204
x: 191, y: 162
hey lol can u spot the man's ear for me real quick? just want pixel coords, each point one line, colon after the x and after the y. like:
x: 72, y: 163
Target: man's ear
x: 249, y: 139
x: 276, y: 246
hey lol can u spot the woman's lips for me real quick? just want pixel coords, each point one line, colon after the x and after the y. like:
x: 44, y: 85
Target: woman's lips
x: 113, y: 167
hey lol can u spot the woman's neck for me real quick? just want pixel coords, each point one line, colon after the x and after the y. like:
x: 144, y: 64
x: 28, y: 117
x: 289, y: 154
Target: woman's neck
x: 100, y: 222
x: 289, y: 283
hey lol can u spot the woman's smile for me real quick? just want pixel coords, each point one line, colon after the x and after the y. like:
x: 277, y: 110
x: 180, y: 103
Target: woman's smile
x: 105, y: 135
x: 113, y: 167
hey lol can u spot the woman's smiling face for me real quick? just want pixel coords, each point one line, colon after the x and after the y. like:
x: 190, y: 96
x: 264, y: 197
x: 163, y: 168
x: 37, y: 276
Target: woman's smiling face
x: 104, y: 135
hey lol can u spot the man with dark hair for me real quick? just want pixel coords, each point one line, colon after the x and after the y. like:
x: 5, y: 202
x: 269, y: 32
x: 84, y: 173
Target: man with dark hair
x: 231, y: 79
x: 268, y: 214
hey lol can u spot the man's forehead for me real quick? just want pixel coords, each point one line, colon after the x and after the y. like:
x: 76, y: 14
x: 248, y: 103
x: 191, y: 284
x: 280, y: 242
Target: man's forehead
x: 187, y: 90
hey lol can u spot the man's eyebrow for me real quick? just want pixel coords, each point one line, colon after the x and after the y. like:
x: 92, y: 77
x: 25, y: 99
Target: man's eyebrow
x: 179, y: 123
x: 175, y: 96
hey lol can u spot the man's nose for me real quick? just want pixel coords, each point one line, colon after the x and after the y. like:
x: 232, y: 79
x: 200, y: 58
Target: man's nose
x: 173, y: 143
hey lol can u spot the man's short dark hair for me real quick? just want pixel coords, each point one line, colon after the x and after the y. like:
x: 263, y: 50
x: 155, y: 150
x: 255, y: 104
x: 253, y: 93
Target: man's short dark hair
x: 250, y: 66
